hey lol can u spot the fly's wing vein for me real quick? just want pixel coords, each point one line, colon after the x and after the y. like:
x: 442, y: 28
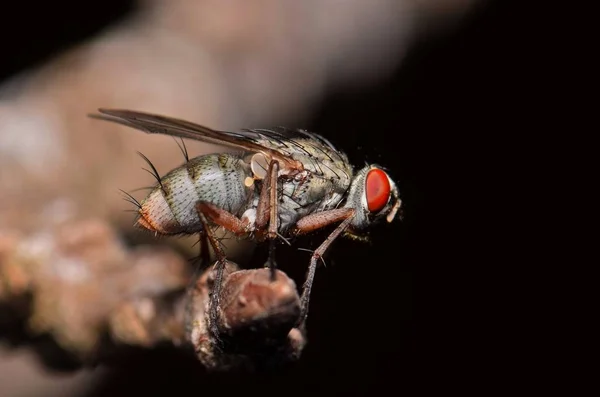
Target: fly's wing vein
x: 157, y: 124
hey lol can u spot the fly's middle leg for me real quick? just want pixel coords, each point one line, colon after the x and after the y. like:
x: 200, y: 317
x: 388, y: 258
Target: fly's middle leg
x: 267, y: 212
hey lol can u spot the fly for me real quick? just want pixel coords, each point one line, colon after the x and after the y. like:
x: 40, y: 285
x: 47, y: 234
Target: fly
x: 280, y: 183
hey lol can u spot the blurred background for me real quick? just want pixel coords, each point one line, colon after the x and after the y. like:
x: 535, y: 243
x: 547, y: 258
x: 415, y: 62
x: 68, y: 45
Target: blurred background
x: 409, y: 84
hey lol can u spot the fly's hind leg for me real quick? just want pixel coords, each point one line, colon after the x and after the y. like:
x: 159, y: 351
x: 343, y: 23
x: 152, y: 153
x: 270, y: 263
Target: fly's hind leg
x: 202, y: 261
x: 267, y: 219
x: 232, y: 223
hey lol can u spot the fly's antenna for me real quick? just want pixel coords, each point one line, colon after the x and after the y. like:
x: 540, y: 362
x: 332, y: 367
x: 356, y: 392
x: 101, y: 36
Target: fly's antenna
x: 154, y: 172
x: 130, y: 199
x: 183, y: 149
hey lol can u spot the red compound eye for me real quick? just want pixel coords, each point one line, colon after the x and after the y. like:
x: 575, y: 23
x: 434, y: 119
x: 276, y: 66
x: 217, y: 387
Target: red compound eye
x: 378, y: 190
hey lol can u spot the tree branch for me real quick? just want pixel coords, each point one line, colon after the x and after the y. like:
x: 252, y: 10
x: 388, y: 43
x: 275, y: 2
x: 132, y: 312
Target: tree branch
x: 93, y: 294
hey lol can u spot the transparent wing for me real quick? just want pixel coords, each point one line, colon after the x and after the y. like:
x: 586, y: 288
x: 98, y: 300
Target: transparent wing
x: 156, y: 124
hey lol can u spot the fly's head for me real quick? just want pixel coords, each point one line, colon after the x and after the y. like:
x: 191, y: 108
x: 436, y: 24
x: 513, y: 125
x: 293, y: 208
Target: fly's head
x: 373, y: 196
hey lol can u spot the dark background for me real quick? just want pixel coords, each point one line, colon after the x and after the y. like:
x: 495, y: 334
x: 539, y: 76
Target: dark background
x: 406, y: 312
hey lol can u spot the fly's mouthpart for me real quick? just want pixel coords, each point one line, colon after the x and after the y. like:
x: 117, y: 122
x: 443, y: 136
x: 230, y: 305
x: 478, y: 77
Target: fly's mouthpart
x: 353, y: 235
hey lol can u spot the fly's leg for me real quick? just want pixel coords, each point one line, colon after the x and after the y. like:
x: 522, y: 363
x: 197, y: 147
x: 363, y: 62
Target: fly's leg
x: 266, y: 212
x: 222, y: 218
x: 232, y: 223
x: 310, y: 223
x: 220, y: 266
x: 203, y: 258
x: 273, y: 216
x: 204, y: 253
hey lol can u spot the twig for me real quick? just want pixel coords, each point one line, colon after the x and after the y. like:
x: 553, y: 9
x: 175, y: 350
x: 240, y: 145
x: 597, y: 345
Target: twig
x: 88, y: 290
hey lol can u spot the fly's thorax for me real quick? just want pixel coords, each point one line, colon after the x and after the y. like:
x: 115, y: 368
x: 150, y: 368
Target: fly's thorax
x: 216, y: 178
x: 321, y: 184
x: 325, y: 164
x: 321, y: 180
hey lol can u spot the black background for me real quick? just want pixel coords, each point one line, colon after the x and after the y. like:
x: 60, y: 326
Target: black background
x: 408, y: 312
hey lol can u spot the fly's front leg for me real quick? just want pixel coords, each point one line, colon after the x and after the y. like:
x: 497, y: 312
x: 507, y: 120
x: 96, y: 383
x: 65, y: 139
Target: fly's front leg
x: 308, y: 224
x: 266, y: 212
x: 232, y: 223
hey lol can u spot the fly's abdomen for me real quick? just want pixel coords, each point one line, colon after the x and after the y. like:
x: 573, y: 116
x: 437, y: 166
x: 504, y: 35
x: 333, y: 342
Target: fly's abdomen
x: 216, y: 178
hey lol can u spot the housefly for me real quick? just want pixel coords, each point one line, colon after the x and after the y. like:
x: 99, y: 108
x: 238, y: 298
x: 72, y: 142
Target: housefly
x: 279, y: 183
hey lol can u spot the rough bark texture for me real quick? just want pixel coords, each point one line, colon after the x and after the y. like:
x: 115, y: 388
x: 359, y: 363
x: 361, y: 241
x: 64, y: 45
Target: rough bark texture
x: 80, y: 284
